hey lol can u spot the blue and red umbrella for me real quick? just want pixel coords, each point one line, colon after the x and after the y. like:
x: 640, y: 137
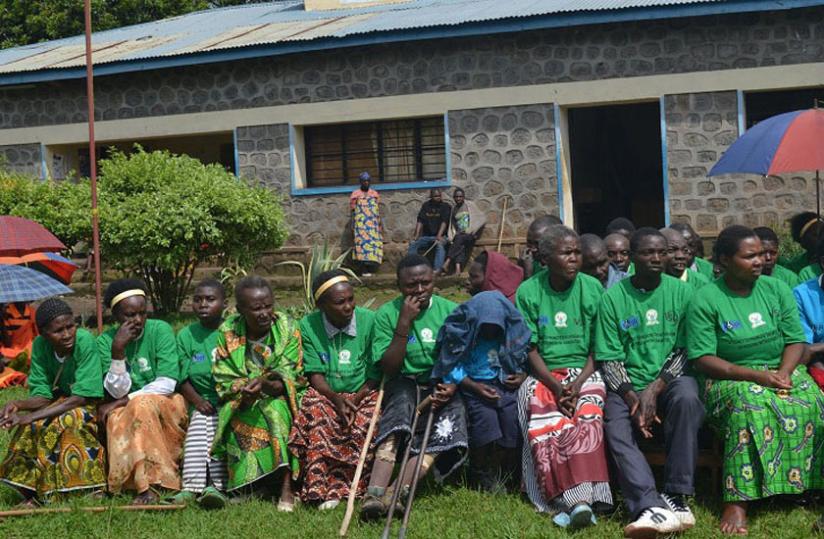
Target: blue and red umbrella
x: 52, y: 264
x: 789, y: 142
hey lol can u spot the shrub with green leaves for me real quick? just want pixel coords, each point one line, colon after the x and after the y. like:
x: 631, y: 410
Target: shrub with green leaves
x: 63, y: 207
x: 163, y: 214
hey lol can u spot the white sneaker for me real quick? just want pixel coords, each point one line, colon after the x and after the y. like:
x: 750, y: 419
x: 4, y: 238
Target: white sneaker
x: 651, y: 522
x: 680, y: 509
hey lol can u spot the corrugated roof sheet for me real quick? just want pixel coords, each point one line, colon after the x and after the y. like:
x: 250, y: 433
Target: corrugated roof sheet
x: 287, y: 21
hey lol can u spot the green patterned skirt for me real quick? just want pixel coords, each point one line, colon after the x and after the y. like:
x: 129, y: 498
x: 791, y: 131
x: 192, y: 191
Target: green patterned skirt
x: 59, y: 454
x: 253, y: 441
x: 772, y: 438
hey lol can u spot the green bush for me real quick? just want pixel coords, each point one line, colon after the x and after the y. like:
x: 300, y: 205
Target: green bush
x: 163, y: 214
x: 63, y: 207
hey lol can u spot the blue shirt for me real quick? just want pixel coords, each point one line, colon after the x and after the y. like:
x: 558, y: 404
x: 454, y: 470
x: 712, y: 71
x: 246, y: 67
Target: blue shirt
x: 810, y: 299
x: 480, y: 365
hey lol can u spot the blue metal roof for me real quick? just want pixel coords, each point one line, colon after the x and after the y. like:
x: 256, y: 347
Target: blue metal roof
x: 285, y: 27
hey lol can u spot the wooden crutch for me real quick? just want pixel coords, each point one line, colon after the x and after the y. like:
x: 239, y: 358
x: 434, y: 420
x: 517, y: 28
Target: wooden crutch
x: 503, y: 221
x: 353, y: 489
x: 396, y: 492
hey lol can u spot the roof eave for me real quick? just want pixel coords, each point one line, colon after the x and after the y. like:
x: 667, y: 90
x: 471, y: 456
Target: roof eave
x: 417, y: 34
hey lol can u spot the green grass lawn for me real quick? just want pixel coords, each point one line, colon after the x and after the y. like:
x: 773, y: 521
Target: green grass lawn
x: 440, y: 512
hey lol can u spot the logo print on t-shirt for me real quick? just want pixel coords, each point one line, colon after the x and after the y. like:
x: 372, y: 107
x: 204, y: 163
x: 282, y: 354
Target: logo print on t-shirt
x: 427, y: 335
x: 630, y: 323
x: 730, y: 325
x: 344, y: 357
x: 199, y: 357
x: 324, y: 357
x: 543, y: 320
x: 756, y: 320
x: 652, y: 317
x: 560, y: 319
x: 143, y: 364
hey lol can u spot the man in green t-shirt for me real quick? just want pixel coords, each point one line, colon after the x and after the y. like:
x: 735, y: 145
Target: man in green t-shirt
x: 196, y: 345
x: 639, y: 342
x: 403, y: 342
x: 678, y: 255
x: 529, y: 259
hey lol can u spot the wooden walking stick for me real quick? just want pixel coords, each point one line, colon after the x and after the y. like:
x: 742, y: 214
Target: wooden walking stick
x: 501, y: 227
x: 396, y: 492
x: 424, y: 442
x: 353, y: 489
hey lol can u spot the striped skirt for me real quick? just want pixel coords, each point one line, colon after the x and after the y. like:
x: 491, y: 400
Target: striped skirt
x: 564, y: 459
x: 199, y: 469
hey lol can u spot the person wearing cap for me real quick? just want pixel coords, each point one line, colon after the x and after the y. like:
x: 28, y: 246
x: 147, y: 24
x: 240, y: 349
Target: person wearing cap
x: 54, y: 446
x: 145, y: 419
x: 367, y: 226
x: 330, y: 429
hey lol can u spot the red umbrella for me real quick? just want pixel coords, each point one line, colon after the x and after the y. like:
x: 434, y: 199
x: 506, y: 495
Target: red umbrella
x: 52, y: 264
x: 20, y: 237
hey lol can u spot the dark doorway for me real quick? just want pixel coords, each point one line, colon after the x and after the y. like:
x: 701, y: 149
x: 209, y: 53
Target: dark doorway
x: 616, y: 165
x: 761, y: 105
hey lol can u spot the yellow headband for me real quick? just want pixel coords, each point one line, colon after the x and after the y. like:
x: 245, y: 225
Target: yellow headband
x: 329, y: 284
x: 806, y: 227
x: 127, y: 294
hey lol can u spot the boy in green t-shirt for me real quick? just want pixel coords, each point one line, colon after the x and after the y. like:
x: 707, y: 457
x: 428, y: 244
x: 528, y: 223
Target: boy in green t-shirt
x: 403, y: 342
x: 196, y: 344
x: 771, y: 246
x: 639, y: 342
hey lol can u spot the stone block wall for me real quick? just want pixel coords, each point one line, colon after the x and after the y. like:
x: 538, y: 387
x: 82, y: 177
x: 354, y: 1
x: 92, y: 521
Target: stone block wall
x: 263, y: 154
x: 495, y: 153
x: 23, y: 158
x: 700, y: 127
x: 506, y: 152
x: 626, y: 49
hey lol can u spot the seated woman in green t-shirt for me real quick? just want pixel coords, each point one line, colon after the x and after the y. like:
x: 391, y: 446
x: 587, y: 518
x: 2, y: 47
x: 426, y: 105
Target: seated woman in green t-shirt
x: 744, y: 334
x: 146, y: 420
x: 561, y: 403
x: 55, y: 447
x: 330, y: 429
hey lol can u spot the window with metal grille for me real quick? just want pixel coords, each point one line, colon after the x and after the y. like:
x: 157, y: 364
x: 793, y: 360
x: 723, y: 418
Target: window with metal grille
x: 393, y: 151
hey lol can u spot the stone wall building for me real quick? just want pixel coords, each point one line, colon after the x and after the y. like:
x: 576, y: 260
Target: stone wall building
x: 584, y: 114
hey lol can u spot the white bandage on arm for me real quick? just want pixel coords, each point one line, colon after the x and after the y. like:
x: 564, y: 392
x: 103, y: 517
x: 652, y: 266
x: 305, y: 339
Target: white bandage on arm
x: 161, y: 385
x: 117, y: 381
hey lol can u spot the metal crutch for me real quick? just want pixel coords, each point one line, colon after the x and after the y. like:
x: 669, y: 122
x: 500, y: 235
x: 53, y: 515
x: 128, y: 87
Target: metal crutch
x: 396, y: 492
x: 424, y: 442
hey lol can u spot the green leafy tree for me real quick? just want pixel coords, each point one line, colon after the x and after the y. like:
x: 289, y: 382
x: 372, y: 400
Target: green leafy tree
x: 31, y: 21
x: 162, y: 215
x: 63, y: 207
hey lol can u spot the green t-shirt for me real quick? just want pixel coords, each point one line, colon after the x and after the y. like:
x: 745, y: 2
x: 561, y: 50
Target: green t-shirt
x: 704, y: 267
x: 695, y: 280
x: 81, y: 374
x: 796, y: 263
x: 153, y: 354
x: 641, y: 329
x: 562, y: 323
x: 748, y: 331
x: 196, y: 347
x: 791, y: 278
x: 344, y: 360
x: 420, y: 345
x: 810, y: 271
